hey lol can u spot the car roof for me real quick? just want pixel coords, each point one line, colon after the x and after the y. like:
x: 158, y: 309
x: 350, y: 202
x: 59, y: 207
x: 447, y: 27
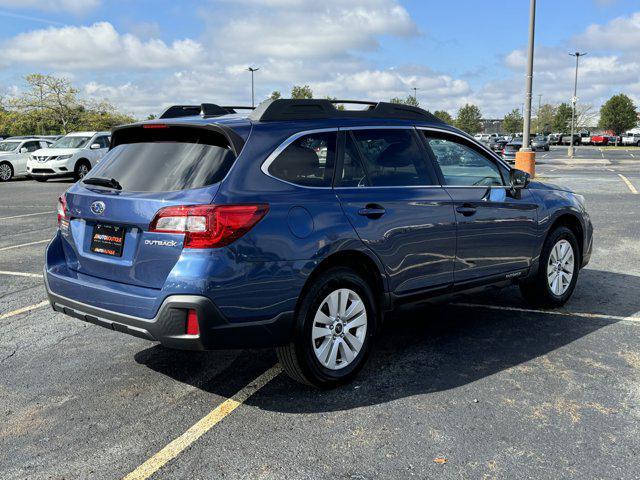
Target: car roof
x: 85, y: 134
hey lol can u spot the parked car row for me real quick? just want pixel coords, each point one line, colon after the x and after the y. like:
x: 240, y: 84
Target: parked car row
x: 42, y: 158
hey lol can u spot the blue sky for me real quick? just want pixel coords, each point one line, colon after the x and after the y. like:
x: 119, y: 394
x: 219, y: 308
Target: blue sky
x: 142, y: 54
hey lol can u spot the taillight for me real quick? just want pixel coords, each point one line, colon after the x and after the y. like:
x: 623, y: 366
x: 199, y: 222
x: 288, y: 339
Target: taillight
x: 63, y: 220
x: 504, y: 150
x: 208, y: 226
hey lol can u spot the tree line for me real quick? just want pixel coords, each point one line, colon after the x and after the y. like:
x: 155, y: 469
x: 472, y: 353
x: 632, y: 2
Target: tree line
x: 51, y: 105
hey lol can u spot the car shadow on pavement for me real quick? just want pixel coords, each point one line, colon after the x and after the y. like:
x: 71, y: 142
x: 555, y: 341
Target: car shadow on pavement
x: 423, y: 349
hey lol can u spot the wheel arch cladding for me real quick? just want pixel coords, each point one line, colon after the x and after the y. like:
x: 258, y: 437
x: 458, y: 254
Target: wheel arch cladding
x: 359, y: 262
x: 572, y: 222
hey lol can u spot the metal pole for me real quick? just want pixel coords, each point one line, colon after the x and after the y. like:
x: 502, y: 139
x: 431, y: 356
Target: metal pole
x: 574, y: 101
x: 253, y: 96
x: 538, y: 114
x: 415, y: 94
x: 529, y: 78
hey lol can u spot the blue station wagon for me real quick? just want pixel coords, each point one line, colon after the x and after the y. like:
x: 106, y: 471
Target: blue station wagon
x: 299, y: 226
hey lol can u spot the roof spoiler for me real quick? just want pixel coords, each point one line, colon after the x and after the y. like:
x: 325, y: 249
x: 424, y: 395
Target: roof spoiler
x: 204, y: 110
x: 312, y: 109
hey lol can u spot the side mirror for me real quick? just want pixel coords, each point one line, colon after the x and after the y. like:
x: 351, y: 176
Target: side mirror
x: 24, y: 150
x: 517, y: 181
x: 94, y: 146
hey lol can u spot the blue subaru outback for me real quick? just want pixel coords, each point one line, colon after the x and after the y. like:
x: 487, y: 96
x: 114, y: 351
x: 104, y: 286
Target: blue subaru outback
x: 299, y: 226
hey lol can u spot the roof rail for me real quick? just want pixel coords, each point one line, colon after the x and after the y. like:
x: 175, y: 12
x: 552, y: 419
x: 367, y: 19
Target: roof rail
x: 312, y: 109
x: 204, y: 110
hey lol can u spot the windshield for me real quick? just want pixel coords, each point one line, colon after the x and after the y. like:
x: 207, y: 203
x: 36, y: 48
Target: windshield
x: 8, y: 146
x: 71, y: 142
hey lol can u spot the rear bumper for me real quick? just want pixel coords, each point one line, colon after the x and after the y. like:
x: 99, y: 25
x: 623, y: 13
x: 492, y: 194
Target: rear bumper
x: 168, y: 326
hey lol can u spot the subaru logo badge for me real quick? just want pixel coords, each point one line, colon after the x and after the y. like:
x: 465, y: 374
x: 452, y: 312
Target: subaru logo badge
x: 98, y: 208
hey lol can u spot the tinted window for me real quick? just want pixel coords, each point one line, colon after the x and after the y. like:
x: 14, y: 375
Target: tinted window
x: 463, y: 166
x: 103, y: 141
x: 392, y: 157
x: 308, y: 161
x: 352, y: 173
x: 165, y: 166
x: 31, y: 146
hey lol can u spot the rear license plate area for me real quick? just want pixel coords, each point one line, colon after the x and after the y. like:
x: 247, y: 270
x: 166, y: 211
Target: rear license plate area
x: 107, y: 240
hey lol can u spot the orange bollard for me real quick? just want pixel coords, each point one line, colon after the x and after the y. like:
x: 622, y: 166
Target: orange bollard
x: 526, y: 161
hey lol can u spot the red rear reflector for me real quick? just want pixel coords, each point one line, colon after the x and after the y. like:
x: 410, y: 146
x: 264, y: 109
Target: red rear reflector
x: 208, y: 226
x: 192, y: 323
x: 155, y: 125
x: 62, y: 209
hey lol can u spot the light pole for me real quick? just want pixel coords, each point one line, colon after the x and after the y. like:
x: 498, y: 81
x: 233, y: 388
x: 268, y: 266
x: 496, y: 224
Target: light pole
x: 529, y: 78
x: 415, y: 95
x: 253, y: 95
x: 574, y: 100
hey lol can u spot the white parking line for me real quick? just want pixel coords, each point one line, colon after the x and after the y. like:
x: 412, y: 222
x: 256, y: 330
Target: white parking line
x: 21, y: 274
x: 11, y: 247
x: 633, y: 318
x: 184, y: 441
x: 23, y: 310
x: 27, y: 215
x: 629, y: 184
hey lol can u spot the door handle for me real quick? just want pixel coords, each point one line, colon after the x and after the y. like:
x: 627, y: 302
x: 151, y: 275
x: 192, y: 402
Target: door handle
x: 372, y: 210
x: 466, y: 210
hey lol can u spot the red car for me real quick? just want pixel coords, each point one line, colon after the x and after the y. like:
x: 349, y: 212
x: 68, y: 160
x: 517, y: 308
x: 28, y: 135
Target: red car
x: 601, y: 140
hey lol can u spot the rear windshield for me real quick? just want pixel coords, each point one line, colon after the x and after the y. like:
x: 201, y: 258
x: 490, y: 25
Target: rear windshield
x: 167, y: 163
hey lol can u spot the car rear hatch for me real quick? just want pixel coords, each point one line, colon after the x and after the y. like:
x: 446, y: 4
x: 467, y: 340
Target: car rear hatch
x: 106, y: 217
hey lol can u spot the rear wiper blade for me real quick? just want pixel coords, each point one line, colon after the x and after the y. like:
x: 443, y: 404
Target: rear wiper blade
x: 103, y: 182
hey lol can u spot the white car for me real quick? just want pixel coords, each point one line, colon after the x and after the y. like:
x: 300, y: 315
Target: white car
x: 14, y: 154
x: 71, y: 156
x: 630, y: 138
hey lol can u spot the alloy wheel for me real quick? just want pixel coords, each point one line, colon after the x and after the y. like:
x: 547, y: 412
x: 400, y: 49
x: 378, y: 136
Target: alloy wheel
x: 560, y: 267
x: 339, y: 329
x: 5, y: 172
x: 82, y: 170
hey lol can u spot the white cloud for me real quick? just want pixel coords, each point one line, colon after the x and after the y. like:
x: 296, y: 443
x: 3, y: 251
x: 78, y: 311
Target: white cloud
x: 72, y: 6
x: 96, y: 47
x: 622, y: 33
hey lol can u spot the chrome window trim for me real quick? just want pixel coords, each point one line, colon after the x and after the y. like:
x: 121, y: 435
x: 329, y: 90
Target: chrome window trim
x: 271, y: 158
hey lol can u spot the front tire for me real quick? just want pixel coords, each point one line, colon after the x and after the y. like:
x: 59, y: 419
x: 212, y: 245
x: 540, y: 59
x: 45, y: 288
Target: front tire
x: 6, y: 172
x: 40, y: 179
x: 558, y: 270
x: 334, y: 329
x: 82, y: 168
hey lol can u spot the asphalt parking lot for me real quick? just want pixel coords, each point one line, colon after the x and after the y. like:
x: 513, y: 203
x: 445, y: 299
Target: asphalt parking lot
x: 481, y: 388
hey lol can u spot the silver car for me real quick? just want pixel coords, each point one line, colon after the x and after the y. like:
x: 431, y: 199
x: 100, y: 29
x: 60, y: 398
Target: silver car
x: 540, y: 143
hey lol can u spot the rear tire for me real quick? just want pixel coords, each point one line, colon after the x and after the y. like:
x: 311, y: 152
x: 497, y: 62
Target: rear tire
x: 558, y: 270
x: 6, y: 172
x: 334, y: 329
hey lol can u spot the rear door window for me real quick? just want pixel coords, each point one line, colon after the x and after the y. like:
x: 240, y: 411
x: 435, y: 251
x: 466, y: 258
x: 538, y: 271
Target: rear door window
x: 307, y: 161
x: 167, y: 160
x: 393, y: 157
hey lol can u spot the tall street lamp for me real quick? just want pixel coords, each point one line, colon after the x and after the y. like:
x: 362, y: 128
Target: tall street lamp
x: 526, y: 159
x: 574, y: 100
x: 253, y: 95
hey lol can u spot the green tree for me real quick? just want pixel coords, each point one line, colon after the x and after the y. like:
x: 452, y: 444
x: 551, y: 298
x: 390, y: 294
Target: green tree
x: 301, y: 92
x: 562, y: 118
x: 102, y: 116
x: 275, y: 95
x: 469, y: 119
x: 444, y: 116
x: 338, y: 106
x: 618, y: 114
x: 512, y: 122
x: 544, y: 118
x: 151, y: 116
x: 410, y: 100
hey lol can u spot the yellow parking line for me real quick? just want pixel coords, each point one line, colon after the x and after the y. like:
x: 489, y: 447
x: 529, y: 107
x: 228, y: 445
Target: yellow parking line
x: 11, y: 247
x: 28, y: 215
x: 599, y: 316
x: 21, y: 274
x: 177, y: 446
x: 629, y: 184
x: 24, y: 310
